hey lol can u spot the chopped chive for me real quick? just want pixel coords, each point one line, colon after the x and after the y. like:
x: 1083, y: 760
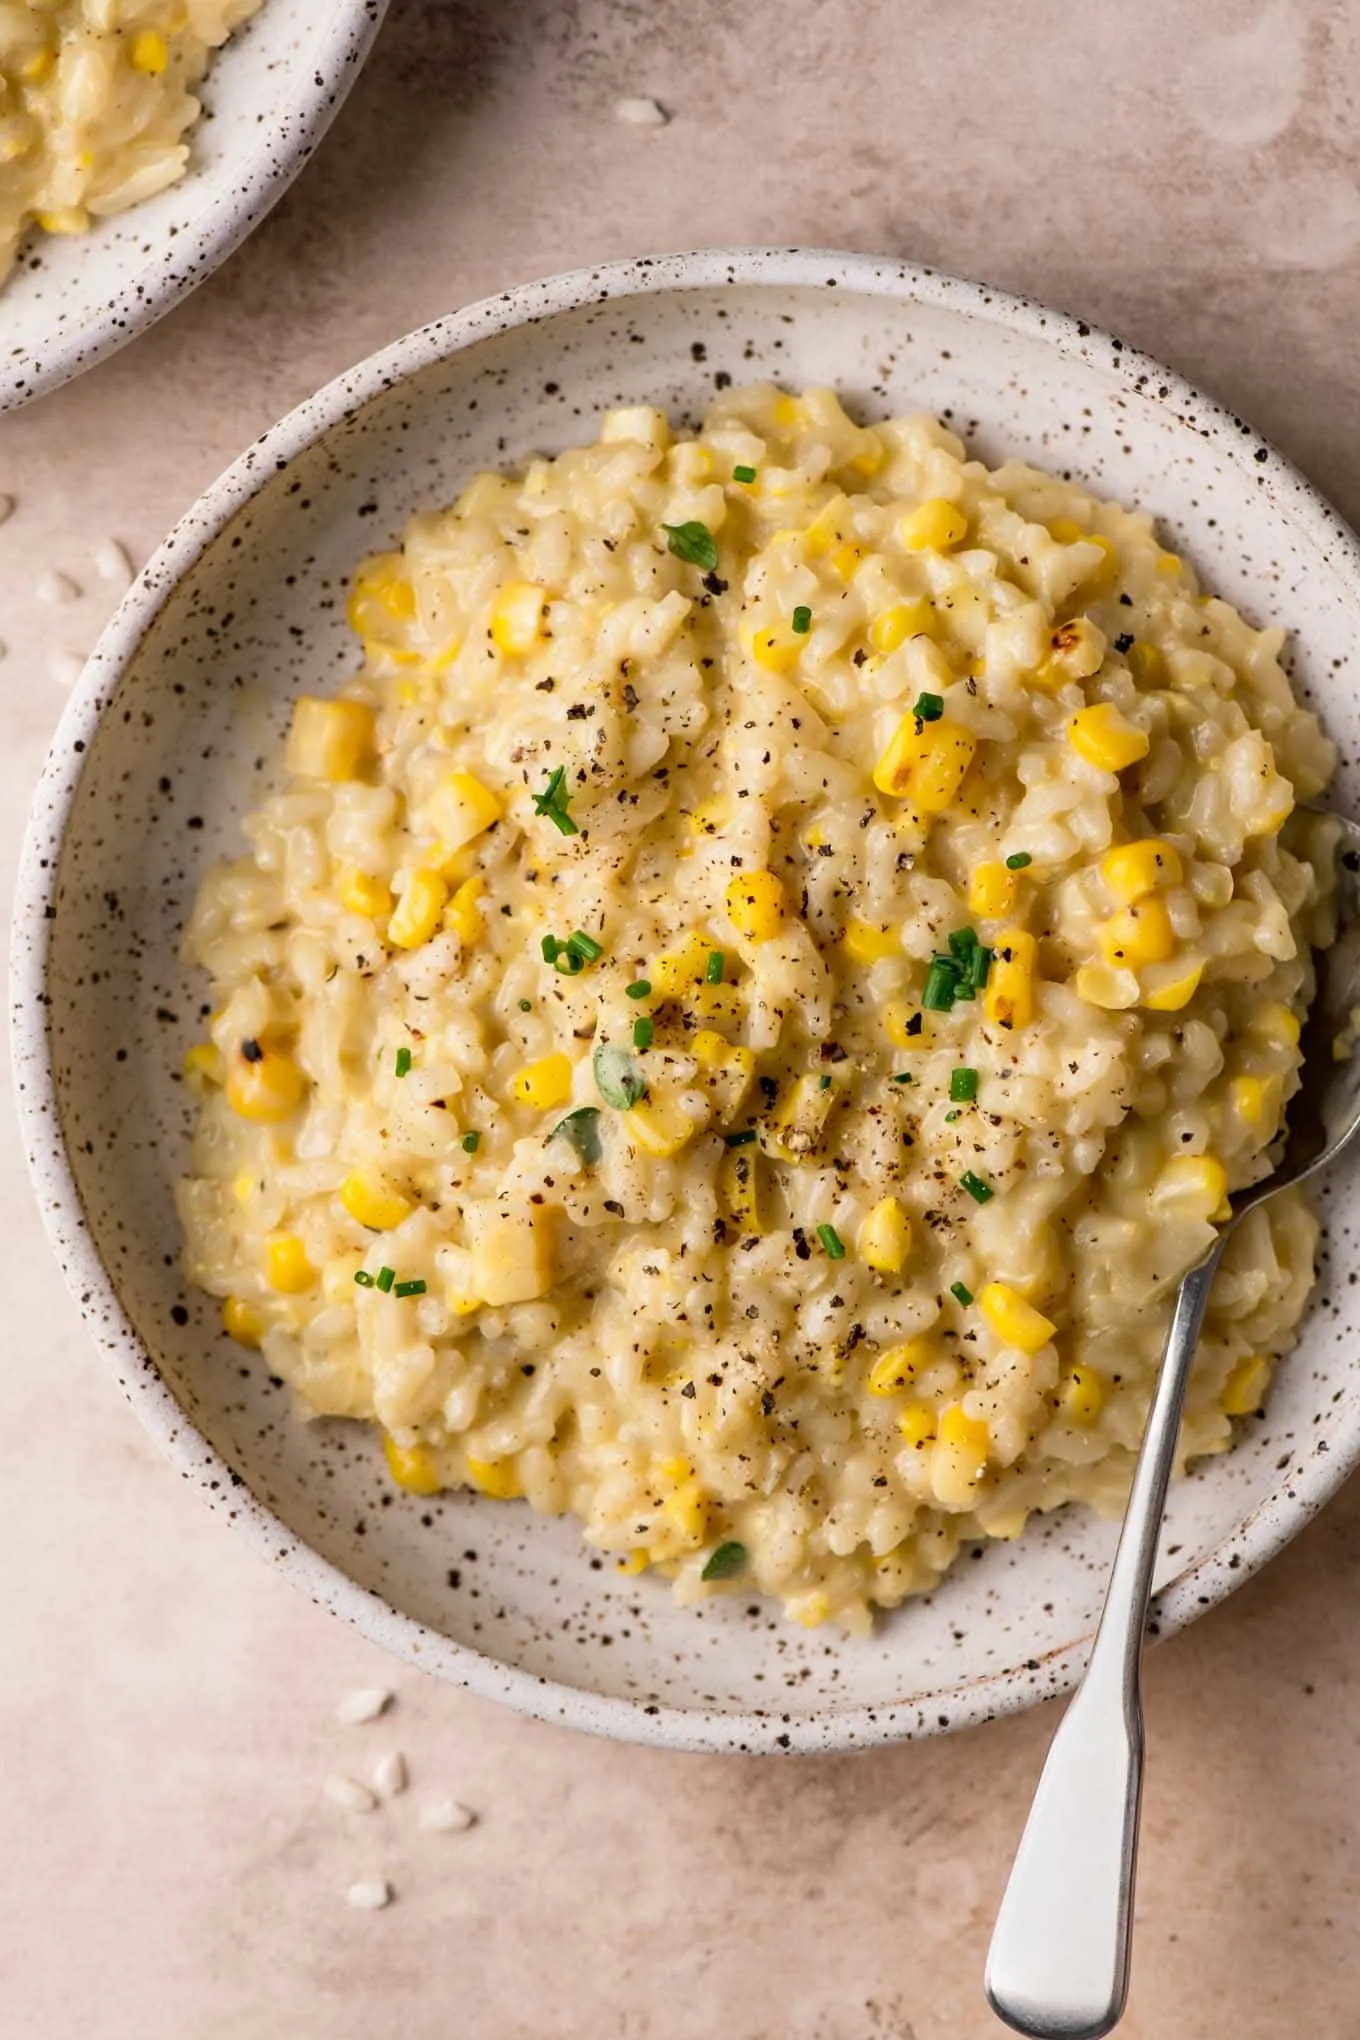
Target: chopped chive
x: 979, y: 965
x: 928, y: 707
x: 585, y: 946
x: 714, y: 968
x: 643, y: 1031
x: 950, y: 1117
x: 1020, y: 861
x: 526, y: 1005
x: 694, y: 543
x: 728, y: 1558
x: 639, y: 989
x: 959, y: 1293
x: 824, y: 1084
x: 980, y: 1192
x: 363, y: 1278
x: 569, y: 961
x: 942, y: 985
x: 470, y: 1143
x: 550, y: 947
x: 963, y: 1086
x: 903, y: 1077
x: 386, y: 1277
x: 743, y: 474
x: 962, y: 943
x: 554, y: 802
x: 416, y: 1288
x: 741, y: 1138
x: 403, y: 1062
x: 832, y: 1241
x: 802, y: 619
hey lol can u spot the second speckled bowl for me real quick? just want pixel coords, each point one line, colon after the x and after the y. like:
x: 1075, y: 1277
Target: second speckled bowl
x: 162, y: 749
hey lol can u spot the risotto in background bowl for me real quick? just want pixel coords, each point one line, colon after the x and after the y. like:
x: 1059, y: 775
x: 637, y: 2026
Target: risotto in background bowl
x: 243, y: 612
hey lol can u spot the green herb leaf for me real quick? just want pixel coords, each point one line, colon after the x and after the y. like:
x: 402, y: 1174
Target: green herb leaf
x: 802, y: 619
x: 620, y: 1081
x: 726, y: 1562
x: 959, y: 1293
x: 903, y: 1077
x: 832, y: 1241
x: 582, y: 1129
x: 403, y: 1062
x: 693, y: 543
x: 554, y: 801
x: 1020, y: 862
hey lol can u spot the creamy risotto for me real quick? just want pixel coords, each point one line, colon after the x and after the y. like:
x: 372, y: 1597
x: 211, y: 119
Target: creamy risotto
x: 96, y: 97
x: 743, y: 1008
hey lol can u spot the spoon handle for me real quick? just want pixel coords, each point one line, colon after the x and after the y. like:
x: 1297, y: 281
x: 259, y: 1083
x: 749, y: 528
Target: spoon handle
x: 1058, y: 1968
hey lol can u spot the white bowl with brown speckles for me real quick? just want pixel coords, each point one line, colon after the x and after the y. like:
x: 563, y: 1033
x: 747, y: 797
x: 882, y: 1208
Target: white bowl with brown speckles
x: 168, y: 739
x: 268, y: 98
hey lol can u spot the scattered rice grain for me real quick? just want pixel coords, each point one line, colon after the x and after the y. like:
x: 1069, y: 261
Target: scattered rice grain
x: 445, y: 1817
x: 65, y: 667
x: 349, y: 1794
x: 370, y: 1894
x: 366, y: 1703
x: 641, y: 113
x: 389, y: 1774
x: 112, y: 564
x: 56, y: 587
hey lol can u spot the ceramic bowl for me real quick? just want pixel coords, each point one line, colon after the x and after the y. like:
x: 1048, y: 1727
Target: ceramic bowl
x: 268, y: 98
x: 167, y: 741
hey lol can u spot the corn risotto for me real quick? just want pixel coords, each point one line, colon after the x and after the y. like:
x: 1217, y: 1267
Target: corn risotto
x: 96, y: 97
x: 743, y: 1009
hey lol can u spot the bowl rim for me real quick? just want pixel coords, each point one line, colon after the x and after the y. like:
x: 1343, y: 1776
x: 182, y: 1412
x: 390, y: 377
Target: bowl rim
x: 279, y: 149
x: 1274, y: 1520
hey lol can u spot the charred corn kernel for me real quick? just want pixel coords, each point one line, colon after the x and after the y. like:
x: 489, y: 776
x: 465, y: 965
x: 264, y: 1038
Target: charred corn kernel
x: 372, y: 1202
x: 1278, y: 1023
x: 902, y: 1024
x: 287, y: 1266
x: 845, y: 559
x: 959, y: 1461
x: 412, y: 1467
x: 1245, y: 1388
x: 660, y: 1125
x: 203, y: 1063
x: 544, y: 1084
x: 330, y: 739
x: 710, y: 1049
x: 361, y: 893
x: 893, y: 626
x: 149, y: 52
x: 1107, y: 985
x: 1014, y: 1321
x: 1105, y: 738
x: 36, y: 67
x: 897, y: 1368
x: 925, y: 763
x: 775, y: 650
x: 869, y: 942
x: 1258, y: 1101
x: 461, y: 808
x: 992, y: 889
x: 686, y: 1510
x: 381, y: 600
x: 463, y: 914
x: 242, y: 1322
x: 1196, y: 1185
x: 632, y: 1562
x: 1138, y: 934
x: 935, y: 526
x: 417, y: 912
x: 495, y: 1477
x: 739, y: 1186
x: 267, y: 1090
x: 917, y: 1425
x: 755, y: 905
x: 1010, y: 982
x: 1075, y: 651
x: 1133, y: 870
x: 1081, y: 1395
x: 1168, y: 987
x: 885, y: 1237
x: 677, y: 970
x: 517, y: 617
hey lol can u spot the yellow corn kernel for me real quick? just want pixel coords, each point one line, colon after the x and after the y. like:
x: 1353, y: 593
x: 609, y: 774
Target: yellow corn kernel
x: 1105, y: 738
x: 381, y: 600
x: 755, y: 905
x: 517, y: 617
x: 677, y: 970
x: 902, y: 1024
x: 810, y: 1610
x: 1014, y: 1321
x: 266, y: 1090
x: 417, y: 912
x: 959, y: 1461
x: 1138, y: 934
x: 1146, y: 664
x: 1278, y: 1023
x: 544, y: 1084
x: 243, y: 1186
x: 496, y: 1477
x: 460, y: 808
x: 1076, y: 650
x: 1169, y: 987
x: 1167, y: 563
x: 1106, y: 985
x: 1258, y: 1101
x: 992, y: 889
x: 935, y: 526
x: 287, y: 1267
x: 787, y: 413
x: 1195, y: 1185
x: 917, y: 1425
x: 1081, y: 1395
x: 1066, y: 531
x: 868, y: 942
x: 632, y: 1562
x: 412, y: 1467
x: 361, y: 893
x: 898, y: 1367
x: 329, y: 739
x: 242, y: 1322
x: 893, y: 626
x: 739, y: 1184
x: 885, y: 1237
x: 372, y: 1201
x: 845, y: 559
x: 1133, y: 870
x: 40, y: 65
x: 686, y: 1510
x: 463, y: 915
x: 203, y: 1064
x: 870, y: 457
x: 1245, y: 1388
x: 925, y: 763
x: 710, y: 1050
x: 512, y: 1250
x: 65, y: 219
x: 660, y: 1126
x: 149, y: 52
x: 1010, y: 982
x: 776, y: 650
x: 828, y: 528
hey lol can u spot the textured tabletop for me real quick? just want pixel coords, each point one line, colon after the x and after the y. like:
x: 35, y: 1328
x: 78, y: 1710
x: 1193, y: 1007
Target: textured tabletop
x: 172, y: 1868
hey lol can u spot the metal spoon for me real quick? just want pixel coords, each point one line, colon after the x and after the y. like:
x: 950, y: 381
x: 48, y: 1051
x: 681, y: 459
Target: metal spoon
x: 1058, y: 1968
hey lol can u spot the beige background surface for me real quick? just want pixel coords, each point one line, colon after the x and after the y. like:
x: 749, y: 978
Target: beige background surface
x: 169, y: 1870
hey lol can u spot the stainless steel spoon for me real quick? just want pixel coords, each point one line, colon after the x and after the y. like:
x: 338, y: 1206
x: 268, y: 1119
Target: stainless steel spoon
x: 1058, y: 1967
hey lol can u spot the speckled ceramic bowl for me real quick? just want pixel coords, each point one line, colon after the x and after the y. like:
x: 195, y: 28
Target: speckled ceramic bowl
x: 268, y: 98
x: 167, y: 740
